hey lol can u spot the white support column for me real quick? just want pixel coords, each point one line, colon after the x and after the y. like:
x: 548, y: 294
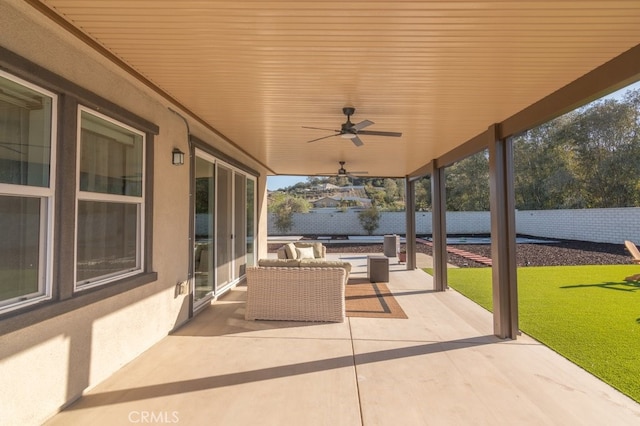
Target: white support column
x: 503, y: 236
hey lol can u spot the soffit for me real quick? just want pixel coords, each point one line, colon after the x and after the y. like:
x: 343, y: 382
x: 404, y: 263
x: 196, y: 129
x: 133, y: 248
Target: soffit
x: 438, y: 71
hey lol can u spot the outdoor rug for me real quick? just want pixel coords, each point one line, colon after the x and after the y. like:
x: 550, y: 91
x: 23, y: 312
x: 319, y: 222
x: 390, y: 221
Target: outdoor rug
x: 371, y: 300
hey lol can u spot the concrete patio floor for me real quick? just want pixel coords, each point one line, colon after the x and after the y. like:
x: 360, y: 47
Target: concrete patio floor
x: 441, y: 366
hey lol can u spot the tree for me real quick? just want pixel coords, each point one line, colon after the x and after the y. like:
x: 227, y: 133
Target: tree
x: 391, y: 190
x: 342, y: 181
x: 604, y: 139
x: 375, y: 194
x: 369, y: 219
x: 283, y: 206
x: 423, y: 194
x: 467, y: 184
x: 542, y: 168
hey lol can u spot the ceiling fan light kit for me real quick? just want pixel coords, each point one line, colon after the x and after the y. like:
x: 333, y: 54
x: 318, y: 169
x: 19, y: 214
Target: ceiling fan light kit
x: 348, y: 130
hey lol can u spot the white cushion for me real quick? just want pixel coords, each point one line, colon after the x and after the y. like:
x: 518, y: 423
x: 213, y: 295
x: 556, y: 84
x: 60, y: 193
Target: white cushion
x: 305, y: 252
x: 290, y: 249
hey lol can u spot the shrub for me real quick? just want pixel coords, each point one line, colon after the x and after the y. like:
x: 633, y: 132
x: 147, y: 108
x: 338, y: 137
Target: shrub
x: 369, y: 219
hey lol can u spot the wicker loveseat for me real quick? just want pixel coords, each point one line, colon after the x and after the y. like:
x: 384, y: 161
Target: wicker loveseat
x: 307, y: 263
x: 295, y: 294
x: 292, y: 250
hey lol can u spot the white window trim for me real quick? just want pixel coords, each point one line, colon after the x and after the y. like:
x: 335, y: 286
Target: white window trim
x: 47, y: 195
x: 94, y: 196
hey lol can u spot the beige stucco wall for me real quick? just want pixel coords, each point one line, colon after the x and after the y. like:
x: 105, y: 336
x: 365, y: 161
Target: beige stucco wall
x: 47, y: 365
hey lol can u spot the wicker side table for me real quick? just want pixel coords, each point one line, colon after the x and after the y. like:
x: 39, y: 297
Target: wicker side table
x: 378, y: 269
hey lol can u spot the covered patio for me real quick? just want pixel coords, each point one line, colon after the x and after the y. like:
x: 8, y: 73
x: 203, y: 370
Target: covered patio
x: 442, y: 365
x: 197, y: 103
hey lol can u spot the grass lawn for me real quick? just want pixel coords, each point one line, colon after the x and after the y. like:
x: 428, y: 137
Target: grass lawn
x: 588, y: 314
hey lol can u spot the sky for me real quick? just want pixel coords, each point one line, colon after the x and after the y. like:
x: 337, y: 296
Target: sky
x: 281, y: 182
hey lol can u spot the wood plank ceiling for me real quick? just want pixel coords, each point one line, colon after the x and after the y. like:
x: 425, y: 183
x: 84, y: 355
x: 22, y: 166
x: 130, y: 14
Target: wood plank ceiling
x: 440, y: 72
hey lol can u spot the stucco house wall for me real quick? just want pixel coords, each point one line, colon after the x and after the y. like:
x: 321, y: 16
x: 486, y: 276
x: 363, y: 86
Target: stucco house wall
x: 51, y: 362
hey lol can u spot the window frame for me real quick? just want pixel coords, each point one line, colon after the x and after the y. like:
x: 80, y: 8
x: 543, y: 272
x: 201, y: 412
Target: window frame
x: 139, y: 201
x: 47, y: 197
x: 63, y: 298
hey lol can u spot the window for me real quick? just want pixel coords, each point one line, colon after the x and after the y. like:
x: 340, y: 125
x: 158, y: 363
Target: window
x: 27, y: 152
x: 110, y: 200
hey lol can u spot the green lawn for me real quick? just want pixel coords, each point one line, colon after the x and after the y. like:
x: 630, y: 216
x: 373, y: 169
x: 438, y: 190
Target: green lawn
x: 588, y: 314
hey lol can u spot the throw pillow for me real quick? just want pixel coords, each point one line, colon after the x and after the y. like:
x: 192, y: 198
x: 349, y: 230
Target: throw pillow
x: 317, y: 250
x: 305, y: 253
x: 290, y: 249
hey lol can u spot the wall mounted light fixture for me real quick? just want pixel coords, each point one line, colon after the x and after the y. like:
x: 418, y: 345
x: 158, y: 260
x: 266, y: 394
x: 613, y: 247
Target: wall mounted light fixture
x: 177, y: 157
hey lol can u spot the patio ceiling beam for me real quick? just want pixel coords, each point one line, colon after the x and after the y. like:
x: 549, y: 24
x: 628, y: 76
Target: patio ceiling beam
x: 610, y: 76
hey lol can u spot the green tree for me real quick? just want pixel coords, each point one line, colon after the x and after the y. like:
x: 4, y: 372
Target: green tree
x: 342, y: 181
x: 603, y: 138
x: 369, y: 219
x: 391, y: 191
x: 375, y: 194
x: 467, y: 184
x: 283, y: 206
x: 423, y: 194
x: 542, y: 168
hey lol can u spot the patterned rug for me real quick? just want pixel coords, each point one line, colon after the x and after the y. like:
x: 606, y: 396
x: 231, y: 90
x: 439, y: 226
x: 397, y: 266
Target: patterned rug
x: 371, y: 300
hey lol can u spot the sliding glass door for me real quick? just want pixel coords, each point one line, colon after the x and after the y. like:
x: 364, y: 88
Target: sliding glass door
x: 224, y: 227
x: 224, y: 230
x: 204, y: 277
x: 240, y: 226
x: 251, y: 222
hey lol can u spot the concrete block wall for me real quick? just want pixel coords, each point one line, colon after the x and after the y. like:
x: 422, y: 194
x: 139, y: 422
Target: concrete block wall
x: 468, y: 223
x: 597, y: 225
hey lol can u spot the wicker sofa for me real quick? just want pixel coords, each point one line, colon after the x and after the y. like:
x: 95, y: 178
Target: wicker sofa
x: 290, y: 250
x: 295, y: 293
x: 307, y: 263
x: 305, y: 255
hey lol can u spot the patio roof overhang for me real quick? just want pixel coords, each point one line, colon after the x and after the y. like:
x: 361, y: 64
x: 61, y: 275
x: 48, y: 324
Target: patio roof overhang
x: 455, y: 77
x: 440, y: 72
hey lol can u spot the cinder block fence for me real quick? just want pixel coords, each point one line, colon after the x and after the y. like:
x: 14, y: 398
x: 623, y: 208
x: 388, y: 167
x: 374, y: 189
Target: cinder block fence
x: 597, y: 225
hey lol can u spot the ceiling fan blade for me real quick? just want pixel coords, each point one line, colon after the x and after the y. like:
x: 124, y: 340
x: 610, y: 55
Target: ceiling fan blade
x: 362, y: 124
x: 378, y: 133
x: 359, y: 173
x: 320, y: 128
x: 324, y: 137
x: 356, y: 141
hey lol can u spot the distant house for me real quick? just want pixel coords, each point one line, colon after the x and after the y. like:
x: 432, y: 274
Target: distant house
x: 325, y: 202
x: 325, y: 187
x: 357, y: 201
x: 351, y: 188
